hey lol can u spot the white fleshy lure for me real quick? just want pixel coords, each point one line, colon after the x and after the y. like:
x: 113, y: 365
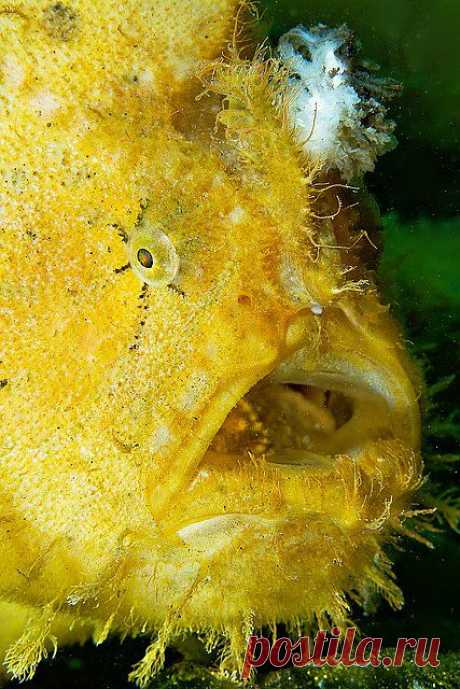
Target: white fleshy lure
x: 333, y: 107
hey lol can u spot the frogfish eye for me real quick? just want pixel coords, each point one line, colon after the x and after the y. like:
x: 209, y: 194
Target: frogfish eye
x: 145, y: 258
x: 152, y: 255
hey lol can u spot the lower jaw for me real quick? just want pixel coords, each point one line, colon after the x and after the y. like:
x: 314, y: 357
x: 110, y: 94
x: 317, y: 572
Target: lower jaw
x: 351, y: 490
x: 249, y: 539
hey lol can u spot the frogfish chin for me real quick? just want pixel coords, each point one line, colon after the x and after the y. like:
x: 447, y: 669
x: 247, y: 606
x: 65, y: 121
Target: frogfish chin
x: 209, y: 420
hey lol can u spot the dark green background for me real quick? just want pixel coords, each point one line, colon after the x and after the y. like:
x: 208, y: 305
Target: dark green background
x: 417, y: 186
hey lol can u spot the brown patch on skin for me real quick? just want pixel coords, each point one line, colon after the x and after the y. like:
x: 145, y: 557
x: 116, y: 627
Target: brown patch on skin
x: 60, y: 21
x: 122, y: 269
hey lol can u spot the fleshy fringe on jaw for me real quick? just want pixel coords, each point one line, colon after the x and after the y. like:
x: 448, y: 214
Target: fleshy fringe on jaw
x: 386, y: 515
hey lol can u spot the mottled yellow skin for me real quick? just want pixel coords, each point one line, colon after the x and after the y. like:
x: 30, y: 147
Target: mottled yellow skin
x: 113, y: 512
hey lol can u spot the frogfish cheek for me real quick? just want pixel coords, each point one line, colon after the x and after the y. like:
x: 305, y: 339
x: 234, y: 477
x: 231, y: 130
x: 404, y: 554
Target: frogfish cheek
x: 230, y: 357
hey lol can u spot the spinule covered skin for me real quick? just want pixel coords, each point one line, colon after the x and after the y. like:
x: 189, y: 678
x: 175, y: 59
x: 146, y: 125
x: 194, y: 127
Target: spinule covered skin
x: 198, y: 380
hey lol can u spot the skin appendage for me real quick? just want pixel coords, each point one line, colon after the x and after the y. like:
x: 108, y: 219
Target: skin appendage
x: 336, y: 108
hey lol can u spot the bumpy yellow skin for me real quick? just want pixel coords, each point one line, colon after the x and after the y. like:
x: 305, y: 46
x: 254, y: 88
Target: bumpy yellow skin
x: 114, y: 515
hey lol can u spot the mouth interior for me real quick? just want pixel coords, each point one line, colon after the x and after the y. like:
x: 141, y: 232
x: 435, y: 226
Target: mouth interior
x: 291, y: 425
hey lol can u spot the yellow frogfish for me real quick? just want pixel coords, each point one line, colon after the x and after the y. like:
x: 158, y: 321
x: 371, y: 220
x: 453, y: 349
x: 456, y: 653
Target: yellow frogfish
x: 209, y: 422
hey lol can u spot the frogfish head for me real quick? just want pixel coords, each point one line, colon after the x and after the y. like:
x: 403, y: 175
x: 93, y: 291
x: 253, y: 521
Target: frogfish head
x: 209, y: 420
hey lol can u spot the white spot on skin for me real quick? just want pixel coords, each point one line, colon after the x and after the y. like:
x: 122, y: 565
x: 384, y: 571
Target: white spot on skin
x: 212, y: 350
x: 316, y: 309
x: 12, y: 71
x: 45, y: 102
x: 236, y: 215
x: 211, y: 535
x: 146, y: 78
x: 160, y: 438
x: 194, y: 391
x: 86, y: 453
x: 182, y: 66
x: 198, y: 272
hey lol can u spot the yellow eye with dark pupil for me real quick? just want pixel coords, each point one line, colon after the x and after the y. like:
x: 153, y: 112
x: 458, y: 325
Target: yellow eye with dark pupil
x: 152, y: 255
x: 145, y: 258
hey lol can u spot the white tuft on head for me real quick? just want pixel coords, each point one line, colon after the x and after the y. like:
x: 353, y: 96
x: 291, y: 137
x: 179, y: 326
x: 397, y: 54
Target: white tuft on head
x: 332, y: 109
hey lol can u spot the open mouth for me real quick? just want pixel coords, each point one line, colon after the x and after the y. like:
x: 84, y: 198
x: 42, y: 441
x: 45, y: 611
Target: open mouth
x: 286, y: 424
x: 293, y: 426
x: 353, y: 400
x: 304, y: 424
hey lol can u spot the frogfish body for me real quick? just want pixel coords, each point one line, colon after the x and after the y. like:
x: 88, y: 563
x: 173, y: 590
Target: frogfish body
x: 209, y: 421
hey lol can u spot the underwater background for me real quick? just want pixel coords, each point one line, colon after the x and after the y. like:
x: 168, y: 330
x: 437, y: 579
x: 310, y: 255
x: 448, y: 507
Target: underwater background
x: 417, y: 187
